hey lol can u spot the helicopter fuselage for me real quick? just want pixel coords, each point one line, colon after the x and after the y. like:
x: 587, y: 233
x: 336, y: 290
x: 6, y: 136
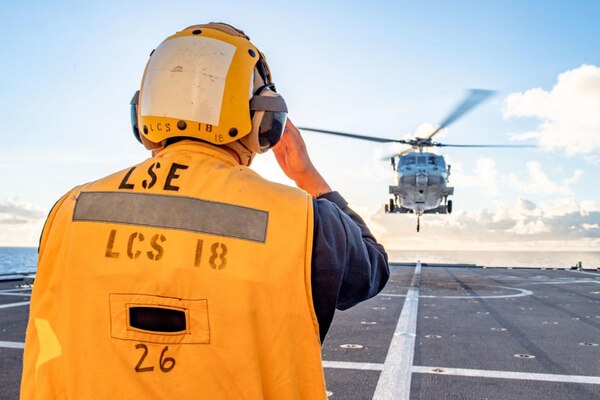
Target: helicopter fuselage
x: 421, y: 184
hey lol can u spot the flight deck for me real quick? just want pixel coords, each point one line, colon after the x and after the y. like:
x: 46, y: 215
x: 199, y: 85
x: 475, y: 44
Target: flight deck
x: 436, y: 332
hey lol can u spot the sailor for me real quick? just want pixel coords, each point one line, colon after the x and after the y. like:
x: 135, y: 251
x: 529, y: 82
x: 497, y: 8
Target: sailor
x: 189, y: 275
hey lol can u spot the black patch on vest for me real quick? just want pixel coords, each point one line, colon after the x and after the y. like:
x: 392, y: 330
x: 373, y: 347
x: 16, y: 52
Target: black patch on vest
x: 155, y: 319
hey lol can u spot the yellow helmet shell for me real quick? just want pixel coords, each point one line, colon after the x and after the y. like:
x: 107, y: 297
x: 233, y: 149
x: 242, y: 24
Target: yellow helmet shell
x: 198, y: 84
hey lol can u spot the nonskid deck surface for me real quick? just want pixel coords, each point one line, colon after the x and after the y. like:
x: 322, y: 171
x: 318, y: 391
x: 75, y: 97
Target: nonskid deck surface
x: 436, y: 332
x: 14, y: 311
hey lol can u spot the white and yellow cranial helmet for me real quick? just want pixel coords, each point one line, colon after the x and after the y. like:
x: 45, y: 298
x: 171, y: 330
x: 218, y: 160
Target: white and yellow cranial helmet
x: 208, y: 82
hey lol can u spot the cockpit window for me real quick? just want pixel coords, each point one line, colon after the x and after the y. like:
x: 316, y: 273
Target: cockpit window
x: 431, y: 160
x: 421, y: 160
x: 407, y: 160
x: 441, y: 163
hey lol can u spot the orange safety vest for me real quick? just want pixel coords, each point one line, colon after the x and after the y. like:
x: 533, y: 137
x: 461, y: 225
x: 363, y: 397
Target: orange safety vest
x: 184, y: 277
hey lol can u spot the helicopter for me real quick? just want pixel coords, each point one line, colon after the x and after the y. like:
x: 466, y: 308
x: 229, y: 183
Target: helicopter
x: 422, y: 177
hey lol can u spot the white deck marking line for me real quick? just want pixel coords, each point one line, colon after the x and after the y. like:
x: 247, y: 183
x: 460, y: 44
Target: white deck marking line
x: 394, y: 380
x: 12, y: 345
x: 562, y: 282
x: 10, y: 305
x: 14, y: 290
x: 16, y: 294
x: 477, y: 373
x: 352, y: 365
x: 522, y: 292
x: 527, y: 376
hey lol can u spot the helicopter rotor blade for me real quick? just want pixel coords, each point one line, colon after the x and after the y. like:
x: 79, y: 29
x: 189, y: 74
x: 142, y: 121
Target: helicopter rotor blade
x: 435, y: 144
x: 355, y: 136
x: 511, y: 146
x: 473, y: 98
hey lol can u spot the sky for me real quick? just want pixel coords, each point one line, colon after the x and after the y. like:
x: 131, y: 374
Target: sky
x: 391, y: 68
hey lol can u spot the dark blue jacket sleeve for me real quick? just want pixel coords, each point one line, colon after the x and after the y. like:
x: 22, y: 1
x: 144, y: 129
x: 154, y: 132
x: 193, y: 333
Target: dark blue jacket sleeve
x: 348, y: 265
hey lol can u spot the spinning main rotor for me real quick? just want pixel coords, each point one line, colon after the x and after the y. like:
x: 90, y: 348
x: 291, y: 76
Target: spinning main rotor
x: 473, y: 98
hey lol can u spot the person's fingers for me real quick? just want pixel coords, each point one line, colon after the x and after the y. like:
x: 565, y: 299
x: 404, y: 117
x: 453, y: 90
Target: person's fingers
x: 294, y: 134
x: 294, y: 142
x: 280, y: 152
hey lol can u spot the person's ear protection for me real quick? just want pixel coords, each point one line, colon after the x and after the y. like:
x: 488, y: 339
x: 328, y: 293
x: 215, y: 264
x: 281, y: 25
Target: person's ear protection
x: 268, y: 112
x: 133, y: 114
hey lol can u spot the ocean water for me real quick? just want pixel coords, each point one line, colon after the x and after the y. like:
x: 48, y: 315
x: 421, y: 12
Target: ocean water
x: 18, y: 260
x: 24, y: 259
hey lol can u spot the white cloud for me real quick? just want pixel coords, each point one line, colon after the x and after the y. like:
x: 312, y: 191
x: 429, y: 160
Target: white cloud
x: 561, y: 207
x: 12, y: 220
x: 568, y: 114
x: 20, y: 223
x: 592, y: 159
x: 574, y: 179
x: 561, y: 224
x: 526, y: 205
x: 540, y: 183
x: 530, y: 227
x: 13, y: 212
x: 377, y: 169
x: 588, y: 206
x: 485, y: 176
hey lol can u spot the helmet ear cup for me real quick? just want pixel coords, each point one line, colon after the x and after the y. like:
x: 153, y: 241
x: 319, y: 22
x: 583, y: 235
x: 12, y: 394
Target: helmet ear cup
x: 134, y: 116
x: 269, y: 114
x: 270, y: 129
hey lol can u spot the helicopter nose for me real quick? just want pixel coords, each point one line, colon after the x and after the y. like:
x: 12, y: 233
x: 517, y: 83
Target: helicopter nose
x: 421, y: 180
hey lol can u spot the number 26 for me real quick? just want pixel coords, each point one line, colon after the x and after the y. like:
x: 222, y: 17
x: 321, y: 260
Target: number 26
x: 166, y: 364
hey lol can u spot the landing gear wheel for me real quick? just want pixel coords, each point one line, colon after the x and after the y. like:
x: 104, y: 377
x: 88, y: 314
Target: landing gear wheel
x: 449, y: 207
x: 391, y: 206
x: 418, y: 223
